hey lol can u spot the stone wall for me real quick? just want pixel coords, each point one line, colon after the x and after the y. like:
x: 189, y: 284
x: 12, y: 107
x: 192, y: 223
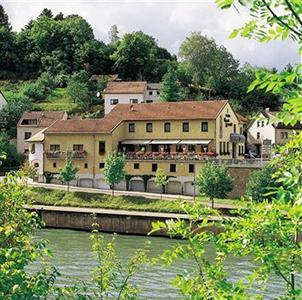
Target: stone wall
x: 241, y: 177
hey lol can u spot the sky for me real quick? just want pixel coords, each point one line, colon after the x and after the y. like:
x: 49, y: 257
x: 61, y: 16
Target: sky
x: 168, y: 21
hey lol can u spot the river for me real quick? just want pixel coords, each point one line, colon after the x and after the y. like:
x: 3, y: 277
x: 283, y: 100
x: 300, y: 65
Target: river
x: 74, y: 260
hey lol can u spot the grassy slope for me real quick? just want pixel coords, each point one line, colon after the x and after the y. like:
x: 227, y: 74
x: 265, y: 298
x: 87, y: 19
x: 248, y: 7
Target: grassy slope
x: 83, y: 199
x: 58, y: 100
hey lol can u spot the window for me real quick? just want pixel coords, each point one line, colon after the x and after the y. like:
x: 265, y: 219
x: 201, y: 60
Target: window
x: 191, y: 168
x: 101, y: 165
x: 149, y: 101
x: 33, y: 148
x: 78, y: 147
x: 102, y: 147
x: 85, y: 165
x: 258, y: 135
x: 158, y: 92
x: 36, y: 165
x: 167, y: 127
x: 136, y: 166
x: 220, y: 147
x: 148, y: 127
x: 131, y: 127
x: 258, y: 123
x: 204, y: 126
x: 282, y: 135
x: 54, y: 147
x: 262, y: 124
x: 29, y: 122
x: 185, y: 126
x: 235, y: 128
x: 191, y: 147
x: 285, y: 135
x: 172, y: 168
x: 220, y: 127
x: 150, y: 93
x: 228, y: 148
x: 154, y: 167
x: 224, y: 150
x: 241, y: 130
x: 133, y: 101
x: 54, y: 165
x: 27, y: 135
x: 26, y: 151
x: 113, y: 101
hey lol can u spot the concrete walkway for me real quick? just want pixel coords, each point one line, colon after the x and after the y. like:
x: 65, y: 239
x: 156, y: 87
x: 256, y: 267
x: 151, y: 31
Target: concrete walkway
x: 169, y: 197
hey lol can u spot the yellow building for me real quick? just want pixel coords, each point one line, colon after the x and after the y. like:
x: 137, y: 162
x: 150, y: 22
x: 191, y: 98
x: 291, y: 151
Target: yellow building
x: 176, y: 137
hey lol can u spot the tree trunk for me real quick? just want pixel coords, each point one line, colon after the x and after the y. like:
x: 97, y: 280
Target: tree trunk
x: 212, y: 200
x: 112, y: 190
x: 68, y: 186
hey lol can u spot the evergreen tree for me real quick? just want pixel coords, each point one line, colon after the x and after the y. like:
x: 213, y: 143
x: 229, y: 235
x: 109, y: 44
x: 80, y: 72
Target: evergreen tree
x: 46, y: 13
x: 4, y: 18
x: 171, y: 90
x: 113, y: 34
x: 59, y: 16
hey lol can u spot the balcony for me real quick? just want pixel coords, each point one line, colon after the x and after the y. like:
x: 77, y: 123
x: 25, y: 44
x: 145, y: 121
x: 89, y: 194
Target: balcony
x: 77, y: 155
x: 183, y: 156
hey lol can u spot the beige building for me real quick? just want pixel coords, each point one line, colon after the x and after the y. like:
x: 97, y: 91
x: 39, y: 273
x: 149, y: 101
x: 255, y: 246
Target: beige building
x: 177, y: 137
x: 33, y: 122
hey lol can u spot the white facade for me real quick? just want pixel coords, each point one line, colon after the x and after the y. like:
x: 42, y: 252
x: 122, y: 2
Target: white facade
x: 111, y: 100
x: 152, y: 92
x: 2, y: 100
x: 35, y: 157
x: 260, y: 130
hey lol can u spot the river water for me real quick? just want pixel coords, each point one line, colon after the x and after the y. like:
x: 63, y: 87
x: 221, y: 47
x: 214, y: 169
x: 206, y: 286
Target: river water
x: 74, y: 260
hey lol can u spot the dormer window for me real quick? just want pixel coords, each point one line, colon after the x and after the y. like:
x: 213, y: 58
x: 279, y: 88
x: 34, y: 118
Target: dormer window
x: 133, y: 101
x: 113, y: 101
x: 29, y: 122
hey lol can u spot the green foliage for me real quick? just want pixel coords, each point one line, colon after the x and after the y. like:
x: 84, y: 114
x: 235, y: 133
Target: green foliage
x: 27, y: 170
x: 138, y: 57
x: 214, y: 181
x: 171, y: 90
x: 261, y: 183
x: 34, y: 91
x: 18, y: 249
x: 114, y: 169
x: 111, y: 276
x: 11, y: 113
x: 68, y: 172
x: 161, y: 179
x: 13, y: 158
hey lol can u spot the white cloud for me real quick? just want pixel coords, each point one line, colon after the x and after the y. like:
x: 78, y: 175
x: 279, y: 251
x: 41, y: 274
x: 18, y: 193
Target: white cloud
x: 168, y: 21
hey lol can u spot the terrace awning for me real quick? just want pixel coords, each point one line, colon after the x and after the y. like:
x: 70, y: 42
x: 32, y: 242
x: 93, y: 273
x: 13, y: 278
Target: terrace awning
x: 194, y: 142
x: 164, y: 142
x: 136, y: 142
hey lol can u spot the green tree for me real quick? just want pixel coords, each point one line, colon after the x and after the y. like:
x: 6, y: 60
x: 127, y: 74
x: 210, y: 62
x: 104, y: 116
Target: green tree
x: 79, y: 93
x: 4, y: 19
x: 138, y: 57
x: 171, y: 90
x: 46, y: 13
x: 261, y: 182
x: 114, y: 169
x: 68, y: 172
x: 18, y: 247
x: 161, y: 179
x: 214, y: 181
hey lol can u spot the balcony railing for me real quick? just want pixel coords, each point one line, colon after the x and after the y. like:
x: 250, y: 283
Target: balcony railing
x: 169, y: 156
x: 63, y: 154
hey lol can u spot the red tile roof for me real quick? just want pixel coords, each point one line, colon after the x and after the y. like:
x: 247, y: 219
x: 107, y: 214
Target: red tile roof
x: 44, y: 118
x: 126, y: 87
x: 193, y: 110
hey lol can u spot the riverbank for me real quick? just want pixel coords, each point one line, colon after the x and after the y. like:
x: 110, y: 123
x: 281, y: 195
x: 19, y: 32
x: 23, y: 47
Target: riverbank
x: 58, y: 196
x: 109, y: 220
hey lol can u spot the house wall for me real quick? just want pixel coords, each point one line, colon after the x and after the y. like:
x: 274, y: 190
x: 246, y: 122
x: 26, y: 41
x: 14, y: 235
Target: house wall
x: 280, y: 140
x: 267, y: 131
x: 223, y: 132
x: 123, y: 98
x: 2, y: 101
x: 154, y: 97
x: 37, y: 157
x: 22, y: 145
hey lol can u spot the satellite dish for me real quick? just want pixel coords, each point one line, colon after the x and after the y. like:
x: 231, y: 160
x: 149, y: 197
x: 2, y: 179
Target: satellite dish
x: 98, y: 94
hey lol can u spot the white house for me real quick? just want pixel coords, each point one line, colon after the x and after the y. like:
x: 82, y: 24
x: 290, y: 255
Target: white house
x: 36, y: 153
x: 128, y: 92
x: 261, y: 129
x: 2, y: 100
x: 152, y: 92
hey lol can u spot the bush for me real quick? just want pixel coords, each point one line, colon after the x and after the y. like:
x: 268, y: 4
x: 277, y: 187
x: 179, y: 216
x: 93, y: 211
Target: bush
x: 34, y: 91
x: 47, y: 82
x: 261, y: 182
